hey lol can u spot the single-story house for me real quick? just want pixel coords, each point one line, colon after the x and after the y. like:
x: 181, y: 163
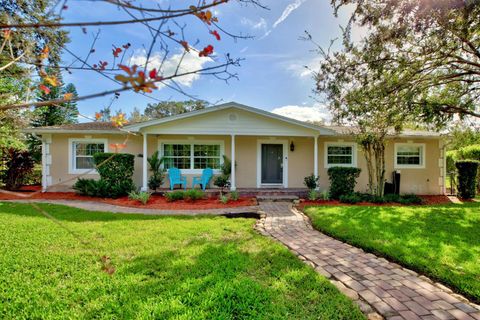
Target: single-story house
x: 271, y: 151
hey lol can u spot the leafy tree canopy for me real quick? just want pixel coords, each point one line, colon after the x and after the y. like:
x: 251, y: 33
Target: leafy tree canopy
x: 170, y: 108
x: 425, y: 52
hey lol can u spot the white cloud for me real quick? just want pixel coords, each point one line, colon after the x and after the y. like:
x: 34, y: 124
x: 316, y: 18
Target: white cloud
x: 286, y: 12
x: 315, y: 113
x: 261, y: 24
x: 191, y: 62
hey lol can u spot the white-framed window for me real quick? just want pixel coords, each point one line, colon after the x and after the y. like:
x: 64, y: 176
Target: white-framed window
x: 340, y: 154
x: 409, y: 155
x: 192, y: 156
x: 81, y: 151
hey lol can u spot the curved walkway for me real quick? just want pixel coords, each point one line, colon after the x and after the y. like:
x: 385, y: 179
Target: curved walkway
x: 99, y: 206
x: 377, y: 285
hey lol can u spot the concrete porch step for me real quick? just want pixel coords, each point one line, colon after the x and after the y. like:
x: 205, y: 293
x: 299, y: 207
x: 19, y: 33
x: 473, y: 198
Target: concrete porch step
x: 277, y: 198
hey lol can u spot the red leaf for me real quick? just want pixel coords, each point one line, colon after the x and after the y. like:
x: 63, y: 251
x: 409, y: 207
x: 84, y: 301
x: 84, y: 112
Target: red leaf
x: 116, y: 52
x: 44, y: 88
x: 153, y: 74
x: 208, y: 50
x: 185, y: 45
x: 215, y: 34
x: 126, y: 46
x: 125, y: 68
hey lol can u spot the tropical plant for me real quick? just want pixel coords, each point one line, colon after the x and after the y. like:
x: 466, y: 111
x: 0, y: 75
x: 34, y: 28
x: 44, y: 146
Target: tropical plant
x: 141, y: 196
x: 158, y: 172
x: 234, y: 195
x: 224, y: 199
x: 312, y: 195
x: 311, y: 181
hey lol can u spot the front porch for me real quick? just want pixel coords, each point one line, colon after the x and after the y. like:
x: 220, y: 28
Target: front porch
x: 255, y: 192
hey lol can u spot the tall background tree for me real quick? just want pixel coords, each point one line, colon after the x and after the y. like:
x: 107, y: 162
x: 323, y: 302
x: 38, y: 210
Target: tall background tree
x: 170, y: 108
x: 433, y: 48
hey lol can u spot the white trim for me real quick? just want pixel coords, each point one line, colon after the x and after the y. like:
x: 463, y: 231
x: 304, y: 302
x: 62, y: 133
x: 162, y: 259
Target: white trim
x: 138, y: 126
x: 145, y: 163
x: 315, y: 158
x: 192, y: 142
x: 233, y: 185
x: 71, y: 158
x: 340, y: 143
x: 259, y: 162
x: 39, y: 130
x: 411, y: 166
x: 44, y: 166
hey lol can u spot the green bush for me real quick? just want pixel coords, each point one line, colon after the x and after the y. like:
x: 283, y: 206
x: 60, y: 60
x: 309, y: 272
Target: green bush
x: 224, y: 199
x: 470, y: 152
x: 141, y: 196
x: 312, y: 195
x: 311, y: 181
x: 221, y: 181
x: 194, y: 194
x: 410, y: 199
x: 158, y: 172
x: 175, y: 195
x: 325, y: 195
x: 391, y: 197
x: 351, y: 198
x: 92, y: 188
x: 467, y: 178
x: 342, y: 181
x: 116, y: 171
x: 16, y: 165
x: 234, y: 195
x: 452, y: 156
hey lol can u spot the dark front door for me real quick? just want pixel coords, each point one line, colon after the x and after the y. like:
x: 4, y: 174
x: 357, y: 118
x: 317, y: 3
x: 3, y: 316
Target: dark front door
x: 272, y: 163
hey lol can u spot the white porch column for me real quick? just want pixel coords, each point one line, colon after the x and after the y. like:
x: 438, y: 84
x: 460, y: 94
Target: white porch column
x: 233, y: 186
x: 315, y: 156
x: 145, y: 164
x: 44, y: 166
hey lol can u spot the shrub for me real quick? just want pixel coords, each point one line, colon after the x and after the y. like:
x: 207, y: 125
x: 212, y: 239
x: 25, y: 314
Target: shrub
x: 325, y: 195
x: 194, y: 194
x: 175, y: 195
x: 92, y: 188
x: 312, y: 195
x: 342, y: 181
x: 470, y: 152
x: 158, y: 173
x: 234, y: 195
x: 351, y: 198
x: 116, y: 171
x: 141, y: 196
x: 392, y: 197
x: 311, y: 181
x: 452, y: 156
x: 221, y: 182
x: 17, y: 165
x: 410, y: 199
x: 34, y: 177
x: 224, y: 199
x: 467, y: 178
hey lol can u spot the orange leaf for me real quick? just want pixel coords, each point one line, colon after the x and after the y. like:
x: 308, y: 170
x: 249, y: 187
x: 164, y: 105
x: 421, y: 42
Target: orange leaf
x: 68, y: 96
x: 98, y: 116
x: 122, y: 78
x: 51, y: 80
x: 44, y: 53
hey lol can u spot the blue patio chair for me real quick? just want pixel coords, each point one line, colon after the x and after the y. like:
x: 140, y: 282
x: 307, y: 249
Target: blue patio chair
x: 204, y: 180
x: 175, y: 177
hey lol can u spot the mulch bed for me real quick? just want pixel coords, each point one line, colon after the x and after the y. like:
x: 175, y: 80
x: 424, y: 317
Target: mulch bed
x: 427, y: 200
x: 155, y: 202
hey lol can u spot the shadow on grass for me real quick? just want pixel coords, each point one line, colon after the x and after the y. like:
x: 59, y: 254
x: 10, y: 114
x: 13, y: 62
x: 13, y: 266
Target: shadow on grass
x: 442, y: 241
x: 66, y: 213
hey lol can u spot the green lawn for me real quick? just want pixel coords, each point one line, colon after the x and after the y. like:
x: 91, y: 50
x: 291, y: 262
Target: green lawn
x: 165, y: 268
x: 441, y: 241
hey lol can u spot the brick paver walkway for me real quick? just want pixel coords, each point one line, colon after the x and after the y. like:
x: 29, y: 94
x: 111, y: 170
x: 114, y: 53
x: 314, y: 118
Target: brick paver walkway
x: 378, y: 286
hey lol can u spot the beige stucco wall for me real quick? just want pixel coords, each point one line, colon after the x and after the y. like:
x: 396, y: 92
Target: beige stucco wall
x: 300, y: 161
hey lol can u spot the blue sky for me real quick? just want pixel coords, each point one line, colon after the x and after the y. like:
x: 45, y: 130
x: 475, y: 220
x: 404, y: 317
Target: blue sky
x: 271, y: 77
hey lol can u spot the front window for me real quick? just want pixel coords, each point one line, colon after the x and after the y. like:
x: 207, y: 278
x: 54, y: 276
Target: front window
x: 82, y: 154
x: 192, y: 155
x: 340, y: 154
x: 409, y: 155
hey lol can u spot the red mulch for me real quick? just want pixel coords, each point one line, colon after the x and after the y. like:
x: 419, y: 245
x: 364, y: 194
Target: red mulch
x: 427, y: 200
x: 155, y: 202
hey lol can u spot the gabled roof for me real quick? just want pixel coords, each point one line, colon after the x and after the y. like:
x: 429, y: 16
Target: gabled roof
x: 138, y: 126
x: 406, y: 133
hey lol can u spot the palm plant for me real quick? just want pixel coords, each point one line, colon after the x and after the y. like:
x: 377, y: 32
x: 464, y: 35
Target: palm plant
x: 158, y: 173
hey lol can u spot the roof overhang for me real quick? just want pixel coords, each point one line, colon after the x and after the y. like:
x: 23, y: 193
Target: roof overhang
x: 49, y: 131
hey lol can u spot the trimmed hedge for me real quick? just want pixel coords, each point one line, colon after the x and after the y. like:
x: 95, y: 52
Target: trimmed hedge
x: 342, y: 181
x: 467, y: 178
x: 116, y: 171
x: 470, y: 152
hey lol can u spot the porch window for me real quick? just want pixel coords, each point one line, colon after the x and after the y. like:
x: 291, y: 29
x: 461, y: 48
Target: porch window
x: 192, y: 155
x: 340, y: 154
x: 409, y: 155
x: 81, y: 154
